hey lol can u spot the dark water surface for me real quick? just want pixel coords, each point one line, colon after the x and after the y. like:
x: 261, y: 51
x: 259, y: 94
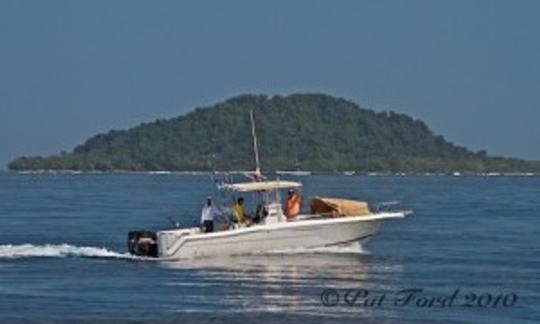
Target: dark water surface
x: 63, y: 254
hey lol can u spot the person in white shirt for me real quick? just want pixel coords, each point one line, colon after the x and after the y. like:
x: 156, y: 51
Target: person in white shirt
x: 207, y: 216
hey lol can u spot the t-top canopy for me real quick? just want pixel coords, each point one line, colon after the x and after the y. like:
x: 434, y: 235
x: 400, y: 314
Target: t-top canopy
x: 262, y: 185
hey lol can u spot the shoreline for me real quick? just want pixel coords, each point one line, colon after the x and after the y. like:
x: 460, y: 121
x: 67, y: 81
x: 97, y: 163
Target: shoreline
x: 276, y: 173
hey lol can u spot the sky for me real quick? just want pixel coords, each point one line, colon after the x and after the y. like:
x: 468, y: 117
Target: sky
x: 71, y: 69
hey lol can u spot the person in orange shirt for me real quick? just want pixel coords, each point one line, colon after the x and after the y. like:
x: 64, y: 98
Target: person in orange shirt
x: 292, y: 205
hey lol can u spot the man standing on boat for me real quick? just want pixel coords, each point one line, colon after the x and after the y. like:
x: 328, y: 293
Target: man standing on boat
x: 292, y: 205
x: 207, y: 216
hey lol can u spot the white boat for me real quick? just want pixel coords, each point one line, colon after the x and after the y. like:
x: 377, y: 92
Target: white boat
x: 274, y: 232
x: 330, y: 222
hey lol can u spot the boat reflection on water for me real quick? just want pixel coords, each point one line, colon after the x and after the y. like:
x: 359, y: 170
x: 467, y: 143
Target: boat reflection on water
x: 288, y: 281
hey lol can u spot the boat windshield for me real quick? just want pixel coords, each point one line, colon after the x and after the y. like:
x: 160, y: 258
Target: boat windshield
x: 258, y: 198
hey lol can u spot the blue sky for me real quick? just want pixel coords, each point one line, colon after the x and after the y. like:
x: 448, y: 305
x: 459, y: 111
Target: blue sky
x: 71, y: 69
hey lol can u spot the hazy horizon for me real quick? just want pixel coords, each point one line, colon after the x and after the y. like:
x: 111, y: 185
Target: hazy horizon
x: 70, y: 70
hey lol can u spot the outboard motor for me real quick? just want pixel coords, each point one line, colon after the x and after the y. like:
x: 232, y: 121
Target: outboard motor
x: 143, y: 243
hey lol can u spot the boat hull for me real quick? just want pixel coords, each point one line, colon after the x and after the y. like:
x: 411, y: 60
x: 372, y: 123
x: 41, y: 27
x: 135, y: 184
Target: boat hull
x: 261, y: 238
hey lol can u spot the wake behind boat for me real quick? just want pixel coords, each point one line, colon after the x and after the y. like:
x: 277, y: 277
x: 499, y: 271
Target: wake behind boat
x: 329, y: 222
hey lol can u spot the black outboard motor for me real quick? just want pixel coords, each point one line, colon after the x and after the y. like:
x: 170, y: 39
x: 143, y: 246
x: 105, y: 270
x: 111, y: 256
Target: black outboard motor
x: 143, y: 243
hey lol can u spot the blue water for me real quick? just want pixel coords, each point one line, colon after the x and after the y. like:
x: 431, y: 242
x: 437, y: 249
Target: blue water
x: 63, y: 253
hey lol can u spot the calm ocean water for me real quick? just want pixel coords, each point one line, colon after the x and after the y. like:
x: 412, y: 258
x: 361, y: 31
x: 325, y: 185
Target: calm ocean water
x: 63, y: 254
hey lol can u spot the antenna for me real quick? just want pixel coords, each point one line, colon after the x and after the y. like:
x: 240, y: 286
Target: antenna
x: 255, y: 147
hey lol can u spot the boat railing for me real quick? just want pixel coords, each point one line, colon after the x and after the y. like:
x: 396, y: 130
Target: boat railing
x: 387, y: 206
x: 391, y: 207
x: 302, y: 217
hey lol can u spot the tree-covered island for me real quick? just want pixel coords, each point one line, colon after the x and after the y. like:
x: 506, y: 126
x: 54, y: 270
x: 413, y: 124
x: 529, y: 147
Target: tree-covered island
x: 308, y: 131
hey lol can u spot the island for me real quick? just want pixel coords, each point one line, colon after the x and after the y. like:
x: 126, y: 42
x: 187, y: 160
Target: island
x: 315, y: 132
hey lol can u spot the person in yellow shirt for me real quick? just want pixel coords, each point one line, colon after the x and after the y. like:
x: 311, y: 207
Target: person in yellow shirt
x: 238, y: 211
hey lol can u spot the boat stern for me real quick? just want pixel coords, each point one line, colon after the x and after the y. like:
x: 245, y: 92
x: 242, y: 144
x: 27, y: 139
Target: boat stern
x: 143, y: 243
